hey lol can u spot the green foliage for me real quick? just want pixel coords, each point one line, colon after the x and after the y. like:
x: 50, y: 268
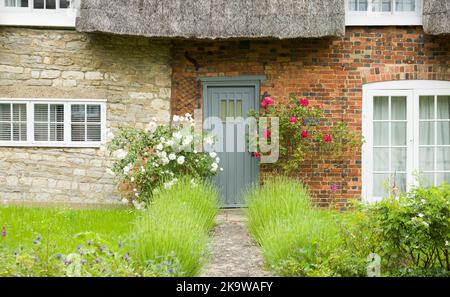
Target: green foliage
x: 159, y: 156
x: 297, y: 239
x: 413, y: 231
x: 305, y: 132
x: 177, y: 223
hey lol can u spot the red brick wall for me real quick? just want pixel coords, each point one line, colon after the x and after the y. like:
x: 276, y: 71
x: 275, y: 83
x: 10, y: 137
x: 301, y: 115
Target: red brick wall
x: 324, y: 70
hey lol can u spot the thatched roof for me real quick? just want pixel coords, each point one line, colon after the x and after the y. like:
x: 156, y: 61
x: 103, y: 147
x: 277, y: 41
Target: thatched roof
x: 436, y: 16
x: 214, y: 18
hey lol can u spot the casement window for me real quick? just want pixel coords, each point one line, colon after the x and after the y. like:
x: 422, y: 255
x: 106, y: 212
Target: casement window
x: 48, y: 122
x: 59, y: 13
x: 406, y: 128
x: 383, y: 12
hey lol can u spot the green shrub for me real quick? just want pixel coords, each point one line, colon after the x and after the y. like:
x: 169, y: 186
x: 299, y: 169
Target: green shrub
x: 176, y: 225
x: 297, y: 239
x: 413, y: 231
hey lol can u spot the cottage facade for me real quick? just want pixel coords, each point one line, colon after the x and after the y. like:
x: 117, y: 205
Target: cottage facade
x: 66, y: 85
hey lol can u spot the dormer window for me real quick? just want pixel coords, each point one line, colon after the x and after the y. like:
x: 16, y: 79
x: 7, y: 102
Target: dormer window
x: 383, y: 12
x: 48, y: 13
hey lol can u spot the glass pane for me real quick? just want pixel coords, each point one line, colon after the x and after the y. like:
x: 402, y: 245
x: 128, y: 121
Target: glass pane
x: 426, y: 159
x: 442, y: 177
x: 57, y: 113
x: 400, y: 182
x: 5, y: 112
x: 78, y: 132
x: 64, y: 3
x: 362, y: 5
x: 50, y: 4
x: 5, y: 131
x: 398, y: 133
x: 23, y: 3
x: 19, y: 112
x: 353, y: 5
x: 381, y: 159
x: 38, y: 4
x: 239, y: 108
x: 443, y: 107
x: 93, y: 113
x: 398, y: 108
x: 426, y: 133
x: 381, y: 133
x: 381, y: 108
x: 426, y: 107
x: 223, y: 110
x: 93, y: 133
x: 231, y: 108
x: 426, y: 179
x: 381, y: 5
x: 405, y: 5
x: 380, y: 184
x: 443, y: 133
x: 398, y: 159
x: 40, y: 132
x: 10, y: 3
x: 19, y: 132
x: 41, y: 112
x: 56, y: 132
x: 443, y: 158
x: 78, y: 113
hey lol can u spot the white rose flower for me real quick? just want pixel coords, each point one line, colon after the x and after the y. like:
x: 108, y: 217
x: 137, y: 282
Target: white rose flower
x: 165, y: 161
x: 163, y: 154
x: 159, y: 147
x: 188, y: 140
x: 214, y: 165
x: 221, y: 169
x: 217, y: 160
x: 188, y: 115
x: 121, y: 154
x: 152, y: 127
x: 142, y: 169
x: 125, y: 201
x: 127, y: 168
x: 170, y: 142
x: 180, y: 160
x: 172, y: 156
x: 177, y: 136
x: 208, y: 141
x: 446, y: 243
x: 176, y: 118
x: 132, y: 179
x: 420, y: 215
x: 167, y: 185
x: 213, y: 154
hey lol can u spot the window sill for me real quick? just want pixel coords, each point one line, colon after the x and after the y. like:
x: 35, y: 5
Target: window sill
x: 50, y: 145
x: 363, y: 19
x: 38, y: 18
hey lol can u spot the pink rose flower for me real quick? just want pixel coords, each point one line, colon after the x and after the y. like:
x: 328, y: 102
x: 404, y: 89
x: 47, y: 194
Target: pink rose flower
x: 304, y: 134
x: 293, y: 120
x: 327, y: 138
x: 257, y: 155
x: 264, y: 104
x: 267, y: 134
x: 269, y: 100
x: 304, y: 102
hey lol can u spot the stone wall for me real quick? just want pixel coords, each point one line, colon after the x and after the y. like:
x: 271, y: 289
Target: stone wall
x: 329, y: 71
x: 132, y: 73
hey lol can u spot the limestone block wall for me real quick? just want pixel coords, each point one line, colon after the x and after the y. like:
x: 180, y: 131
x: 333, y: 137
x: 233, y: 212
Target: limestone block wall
x: 132, y: 73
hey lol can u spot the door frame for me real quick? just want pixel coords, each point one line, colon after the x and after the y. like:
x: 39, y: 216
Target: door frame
x: 235, y: 81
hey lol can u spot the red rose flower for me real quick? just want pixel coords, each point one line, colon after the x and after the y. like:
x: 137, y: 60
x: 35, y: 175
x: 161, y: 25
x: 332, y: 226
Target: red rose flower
x: 293, y: 120
x: 327, y: 138
x: 304, y: 102
x: 257, y: 155
x: 304, y: 134
x: 269, y: 100
x: 267, y: 134
x: 264, y: 104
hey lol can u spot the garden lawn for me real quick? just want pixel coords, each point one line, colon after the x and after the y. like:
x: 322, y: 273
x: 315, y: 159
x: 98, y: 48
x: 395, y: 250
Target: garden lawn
x: 56, y: 227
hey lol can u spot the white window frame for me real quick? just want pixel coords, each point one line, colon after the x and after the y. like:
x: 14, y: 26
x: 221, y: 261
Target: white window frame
x: 413, y: 89
x: 391, y: 18
x: 28, y: 16
x: 67, y: 123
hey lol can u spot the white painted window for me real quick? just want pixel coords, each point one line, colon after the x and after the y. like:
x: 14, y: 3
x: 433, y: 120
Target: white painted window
x: 51, y: 122
x: 58, y: 13
x: 383, y: 12
x: 406, y: 127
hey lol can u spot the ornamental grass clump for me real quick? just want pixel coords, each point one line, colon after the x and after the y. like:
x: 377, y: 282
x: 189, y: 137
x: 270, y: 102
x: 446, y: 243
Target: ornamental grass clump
x: 177, y: 223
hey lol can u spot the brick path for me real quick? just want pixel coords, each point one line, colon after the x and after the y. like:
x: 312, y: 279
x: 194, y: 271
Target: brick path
x: 232, y: 253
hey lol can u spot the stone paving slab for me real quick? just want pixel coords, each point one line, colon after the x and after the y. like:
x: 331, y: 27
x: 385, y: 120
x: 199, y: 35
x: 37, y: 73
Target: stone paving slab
x: 232, y: 253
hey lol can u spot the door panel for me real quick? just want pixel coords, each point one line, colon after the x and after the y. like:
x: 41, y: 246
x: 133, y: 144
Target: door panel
x: 240, y: 170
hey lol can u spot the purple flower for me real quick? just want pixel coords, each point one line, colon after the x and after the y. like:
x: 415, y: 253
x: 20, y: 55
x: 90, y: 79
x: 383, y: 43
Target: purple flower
x: 334, y: 188
x: 79, y: 247
x: 4, y: 231
x: 102, y: 248
x: 97, y: 261
x: 15, y: 253
x: 89, y: 242
x: 83, y: 261
x: 171, y: 271
x: 67, y: 261
x: 58, y: 256
x: 120, y: 244
x: 127, y: 256
x: 36, y: 259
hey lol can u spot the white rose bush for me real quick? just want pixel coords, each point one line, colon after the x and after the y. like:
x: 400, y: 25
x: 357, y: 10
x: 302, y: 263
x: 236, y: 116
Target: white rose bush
x: 158, y: 157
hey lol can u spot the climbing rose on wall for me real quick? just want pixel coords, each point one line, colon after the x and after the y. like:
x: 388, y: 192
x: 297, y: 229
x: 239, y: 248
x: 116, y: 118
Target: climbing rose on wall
x: 304, y: 131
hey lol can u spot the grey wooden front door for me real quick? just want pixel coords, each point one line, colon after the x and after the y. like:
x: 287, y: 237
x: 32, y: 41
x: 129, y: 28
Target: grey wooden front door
x: 240, y: 169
